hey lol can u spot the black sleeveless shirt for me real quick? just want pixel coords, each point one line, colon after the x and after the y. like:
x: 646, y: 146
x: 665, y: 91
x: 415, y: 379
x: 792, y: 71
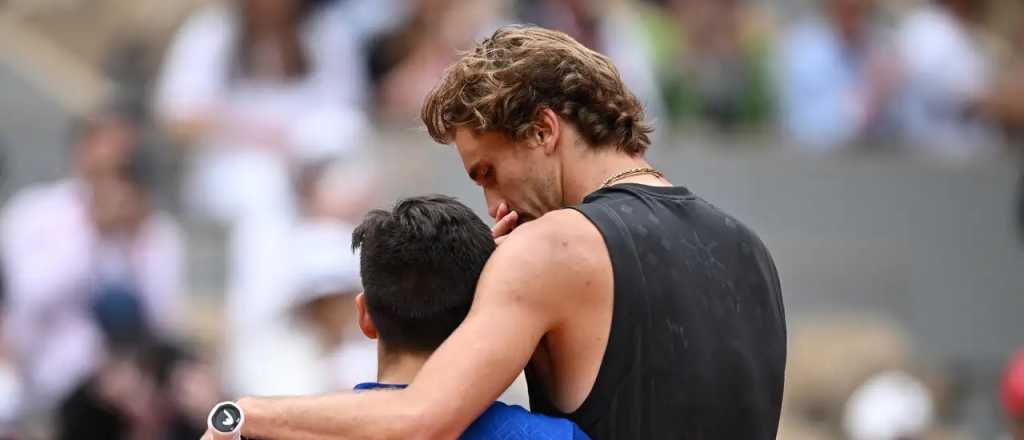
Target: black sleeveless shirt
x: 697, y: 348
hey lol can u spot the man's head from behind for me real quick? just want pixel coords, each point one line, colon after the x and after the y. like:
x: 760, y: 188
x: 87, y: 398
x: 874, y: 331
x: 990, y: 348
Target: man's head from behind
x: 525, y: 106
x: 420, y: 263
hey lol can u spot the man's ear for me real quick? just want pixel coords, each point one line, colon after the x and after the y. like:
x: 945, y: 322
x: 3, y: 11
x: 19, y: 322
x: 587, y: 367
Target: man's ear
x: 365, y: 323
x: 547, y: 130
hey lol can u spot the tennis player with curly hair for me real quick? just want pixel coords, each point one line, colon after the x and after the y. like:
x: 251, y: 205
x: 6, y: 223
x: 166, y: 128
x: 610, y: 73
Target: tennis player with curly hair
x: 637, y: 309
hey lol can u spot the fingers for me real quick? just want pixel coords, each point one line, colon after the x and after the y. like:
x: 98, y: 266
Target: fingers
x: 501, y: 211
x: 505, y: 224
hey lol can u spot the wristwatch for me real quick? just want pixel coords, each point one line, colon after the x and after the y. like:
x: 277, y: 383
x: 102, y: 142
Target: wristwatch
x: 225, y: 421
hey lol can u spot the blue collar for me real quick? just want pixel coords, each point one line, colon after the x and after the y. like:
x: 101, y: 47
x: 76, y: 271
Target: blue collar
x: 366, y: 386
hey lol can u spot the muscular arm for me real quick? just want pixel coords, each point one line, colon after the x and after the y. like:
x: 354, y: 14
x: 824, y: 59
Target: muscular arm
x: 524, y: 291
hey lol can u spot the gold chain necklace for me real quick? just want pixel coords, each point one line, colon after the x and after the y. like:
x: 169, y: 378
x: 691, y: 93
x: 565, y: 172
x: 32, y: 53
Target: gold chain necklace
x: 631, y: 173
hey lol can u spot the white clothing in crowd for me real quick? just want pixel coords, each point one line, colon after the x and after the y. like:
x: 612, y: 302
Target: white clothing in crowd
x: 273, y: 349
x: 946, y: 70
x: 241, y: 166
x: 889, y: 405
x: 53, y: 259
x: 326, y: 265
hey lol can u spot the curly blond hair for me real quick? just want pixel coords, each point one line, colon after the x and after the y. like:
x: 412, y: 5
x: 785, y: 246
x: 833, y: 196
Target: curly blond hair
x: 501, y: 84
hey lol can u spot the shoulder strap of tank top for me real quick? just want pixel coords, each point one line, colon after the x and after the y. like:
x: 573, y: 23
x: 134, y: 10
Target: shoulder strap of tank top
x: 620, y: 355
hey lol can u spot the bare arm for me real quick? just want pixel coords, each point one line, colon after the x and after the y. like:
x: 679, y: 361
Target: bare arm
x: 521, y: 295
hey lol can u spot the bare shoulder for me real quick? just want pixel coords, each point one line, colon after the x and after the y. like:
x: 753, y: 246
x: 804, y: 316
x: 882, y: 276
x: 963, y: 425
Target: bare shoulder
x: 558, y: 235
x: 567, y: 222
x: 561, y: 252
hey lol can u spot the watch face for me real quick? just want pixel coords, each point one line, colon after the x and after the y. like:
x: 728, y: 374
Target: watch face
x: 226, y: 417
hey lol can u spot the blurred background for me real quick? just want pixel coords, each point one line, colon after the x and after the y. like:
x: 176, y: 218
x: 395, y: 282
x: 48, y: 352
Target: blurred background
x: 180, y: 180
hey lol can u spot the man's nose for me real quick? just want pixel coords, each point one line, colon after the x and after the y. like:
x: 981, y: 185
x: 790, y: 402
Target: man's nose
x: 493, y: 202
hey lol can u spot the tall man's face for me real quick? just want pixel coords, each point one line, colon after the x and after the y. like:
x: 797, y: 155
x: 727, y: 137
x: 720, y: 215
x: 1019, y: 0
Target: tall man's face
x: 522, y: 175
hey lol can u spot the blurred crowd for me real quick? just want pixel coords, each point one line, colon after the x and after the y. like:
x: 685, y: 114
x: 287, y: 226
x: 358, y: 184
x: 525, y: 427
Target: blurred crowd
x: 269, y: 104
x: 875, y: 385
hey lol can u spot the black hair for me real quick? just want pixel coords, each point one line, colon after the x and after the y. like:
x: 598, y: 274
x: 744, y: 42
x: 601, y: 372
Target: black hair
x: 420, y: 263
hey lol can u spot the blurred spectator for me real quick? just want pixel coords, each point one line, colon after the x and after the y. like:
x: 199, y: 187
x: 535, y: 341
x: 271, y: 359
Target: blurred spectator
x: 612, y: 28
x: 327, y: 270
x: 260, y: 87
x: 949, y: 73
x: 368, y: 18
x: 857, y: 377
x: 813, y: 405
x: 291, y: 321
x: 255, y: 85
x: 1013, y: 396
x: 328, y: 279
x: 712, y: 58
x: 836, y: 76
x: 1007, y: 105
x: 155, y: 391
x: 406, y: 60
x: 74, y: 249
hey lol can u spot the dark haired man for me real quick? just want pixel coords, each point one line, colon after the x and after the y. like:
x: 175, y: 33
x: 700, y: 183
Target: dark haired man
x: 639, y: 310
x: 420, y: 263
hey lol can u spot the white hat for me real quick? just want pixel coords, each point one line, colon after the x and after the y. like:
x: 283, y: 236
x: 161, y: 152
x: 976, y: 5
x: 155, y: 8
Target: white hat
x: 323, y: 261
x: 889, y: 405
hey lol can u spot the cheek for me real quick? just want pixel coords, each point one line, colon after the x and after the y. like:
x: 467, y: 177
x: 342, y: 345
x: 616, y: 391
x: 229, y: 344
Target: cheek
x: 530, y: 183
x: 507, y: 177
x: 527, y: 191
x: 505, y: 188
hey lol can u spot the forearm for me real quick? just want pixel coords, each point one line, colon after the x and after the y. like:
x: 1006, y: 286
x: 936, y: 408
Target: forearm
x: 370, y: 415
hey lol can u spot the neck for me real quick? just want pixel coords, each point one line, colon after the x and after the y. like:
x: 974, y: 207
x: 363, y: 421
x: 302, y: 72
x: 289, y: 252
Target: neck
x: 398, y: 368
x: 590, y: 169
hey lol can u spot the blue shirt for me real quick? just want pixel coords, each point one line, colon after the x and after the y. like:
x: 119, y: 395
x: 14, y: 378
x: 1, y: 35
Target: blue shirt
x: 507, y: 422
